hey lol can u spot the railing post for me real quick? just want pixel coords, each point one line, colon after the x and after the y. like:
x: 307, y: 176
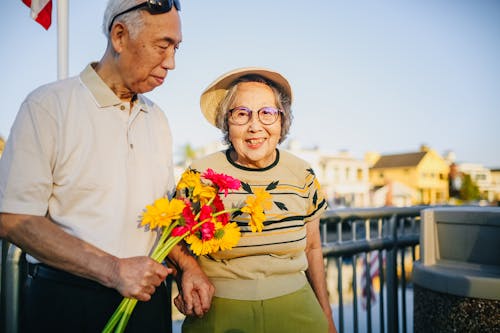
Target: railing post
x: 339, y: 280
x: 324, y: 233
x: 3, y: 257
x: 10, y: 287
x: 392, y: 278
x: 354, y: 284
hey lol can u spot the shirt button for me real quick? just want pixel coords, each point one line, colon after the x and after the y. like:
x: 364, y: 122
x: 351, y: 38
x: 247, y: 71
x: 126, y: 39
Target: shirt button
x: 131, y: 146
x: 122, y: 107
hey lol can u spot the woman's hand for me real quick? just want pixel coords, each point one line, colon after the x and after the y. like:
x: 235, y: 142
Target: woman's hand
x: 195, y: 290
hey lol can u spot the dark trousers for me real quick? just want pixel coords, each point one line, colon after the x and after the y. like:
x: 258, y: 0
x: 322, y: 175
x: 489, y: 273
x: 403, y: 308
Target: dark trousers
x: 56, y: 301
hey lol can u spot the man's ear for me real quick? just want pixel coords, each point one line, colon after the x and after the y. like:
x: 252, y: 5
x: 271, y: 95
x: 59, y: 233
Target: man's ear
x: 117, y: 35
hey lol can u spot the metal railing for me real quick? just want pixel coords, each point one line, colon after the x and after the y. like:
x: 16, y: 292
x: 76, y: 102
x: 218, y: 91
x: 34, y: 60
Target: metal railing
x: 349, y: 237
x: 372, y: 238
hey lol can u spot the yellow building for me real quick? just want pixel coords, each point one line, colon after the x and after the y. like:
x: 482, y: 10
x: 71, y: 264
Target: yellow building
x: 495, y: 183
x: 425, y: 171
x: 2, y: 145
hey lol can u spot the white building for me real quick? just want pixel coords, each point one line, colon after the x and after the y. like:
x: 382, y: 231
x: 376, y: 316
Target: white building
x: 481, y: 176
x: 393, y: 194
x: 343, y: 178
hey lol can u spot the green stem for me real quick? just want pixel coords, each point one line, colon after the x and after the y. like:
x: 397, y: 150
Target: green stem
x: 117, y: 315
x: 126, y: 315
x: 226, y: 211
x: 164, y: 250
x: 165, y: 233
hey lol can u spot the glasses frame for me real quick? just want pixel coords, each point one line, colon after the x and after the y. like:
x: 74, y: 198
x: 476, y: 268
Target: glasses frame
x: 152, y: 6
x: 250, y: 112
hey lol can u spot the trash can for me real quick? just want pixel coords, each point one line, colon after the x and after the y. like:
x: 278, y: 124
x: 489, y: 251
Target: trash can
x: 457, y: 279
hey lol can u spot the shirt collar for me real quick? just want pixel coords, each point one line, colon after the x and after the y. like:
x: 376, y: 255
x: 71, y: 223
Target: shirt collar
x: 103, y: 95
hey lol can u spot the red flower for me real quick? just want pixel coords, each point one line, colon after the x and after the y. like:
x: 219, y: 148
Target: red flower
x: 223, y: 182
x: 188, y: 215
x: 179, y: 231
x: 205, y: 214
x: 219, y: 207
x: 207, y: 231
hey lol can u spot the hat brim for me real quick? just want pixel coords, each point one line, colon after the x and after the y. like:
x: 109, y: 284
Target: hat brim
x: 213, y: 95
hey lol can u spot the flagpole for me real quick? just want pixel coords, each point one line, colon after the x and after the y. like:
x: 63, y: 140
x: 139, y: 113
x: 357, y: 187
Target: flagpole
x: 62, y: 39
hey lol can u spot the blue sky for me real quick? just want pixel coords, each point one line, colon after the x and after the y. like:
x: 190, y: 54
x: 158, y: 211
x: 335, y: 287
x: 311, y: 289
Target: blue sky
x: 382, y: 75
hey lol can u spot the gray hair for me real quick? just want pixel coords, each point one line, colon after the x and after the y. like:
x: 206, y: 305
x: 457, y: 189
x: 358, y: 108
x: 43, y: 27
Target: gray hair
x: 133, y: 20
x: 283, y: 102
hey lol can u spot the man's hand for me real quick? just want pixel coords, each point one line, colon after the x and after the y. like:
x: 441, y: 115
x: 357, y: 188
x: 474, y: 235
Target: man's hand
x: 138, y: 277
x: 135, y: 277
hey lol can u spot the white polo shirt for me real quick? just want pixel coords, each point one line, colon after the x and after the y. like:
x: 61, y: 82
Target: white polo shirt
x: 79, y: 155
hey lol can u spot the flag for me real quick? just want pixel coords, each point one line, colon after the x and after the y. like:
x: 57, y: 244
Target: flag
x: 373, y: 266
x: 41, y: 11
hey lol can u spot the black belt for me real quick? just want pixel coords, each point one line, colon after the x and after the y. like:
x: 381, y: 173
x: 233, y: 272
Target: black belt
x: 46, y: 272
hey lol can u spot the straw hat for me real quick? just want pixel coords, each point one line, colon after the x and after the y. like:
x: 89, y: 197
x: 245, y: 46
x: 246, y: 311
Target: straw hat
x: 212, y: 96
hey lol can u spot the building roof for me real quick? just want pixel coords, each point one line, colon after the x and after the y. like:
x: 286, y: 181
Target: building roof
x: 399, y: 160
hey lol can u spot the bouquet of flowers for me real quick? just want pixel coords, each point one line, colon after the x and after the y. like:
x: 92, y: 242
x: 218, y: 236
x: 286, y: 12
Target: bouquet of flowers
x: 199, y: 217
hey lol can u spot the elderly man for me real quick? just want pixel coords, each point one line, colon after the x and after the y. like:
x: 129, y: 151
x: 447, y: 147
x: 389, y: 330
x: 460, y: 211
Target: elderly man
x: 84, y: 157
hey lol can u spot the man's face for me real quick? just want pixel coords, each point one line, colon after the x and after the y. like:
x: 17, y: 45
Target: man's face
x: 146, y: 58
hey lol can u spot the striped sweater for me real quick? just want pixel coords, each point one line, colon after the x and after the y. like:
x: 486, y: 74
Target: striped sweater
x: 270, y: 263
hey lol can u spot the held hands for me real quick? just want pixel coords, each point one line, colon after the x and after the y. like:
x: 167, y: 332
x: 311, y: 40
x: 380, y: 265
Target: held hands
x: 195, y: 292
x: 138, y: 277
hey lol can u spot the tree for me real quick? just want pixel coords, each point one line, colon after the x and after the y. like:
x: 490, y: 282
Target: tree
x: 188, y: 154
x: 469, y: 190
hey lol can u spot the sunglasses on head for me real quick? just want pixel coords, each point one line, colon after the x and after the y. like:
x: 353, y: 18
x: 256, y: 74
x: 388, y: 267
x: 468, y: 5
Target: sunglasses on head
x: 152, y: 6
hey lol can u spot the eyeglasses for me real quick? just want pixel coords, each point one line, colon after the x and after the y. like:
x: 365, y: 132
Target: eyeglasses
x: 152, y: 6
x: 241, y: 115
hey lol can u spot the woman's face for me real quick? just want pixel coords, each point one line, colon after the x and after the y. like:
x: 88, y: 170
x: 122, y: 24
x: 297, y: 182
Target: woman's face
x: 255, y: 143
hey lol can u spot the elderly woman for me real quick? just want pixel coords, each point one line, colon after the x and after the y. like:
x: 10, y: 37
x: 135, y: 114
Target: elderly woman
x: 273, y: 280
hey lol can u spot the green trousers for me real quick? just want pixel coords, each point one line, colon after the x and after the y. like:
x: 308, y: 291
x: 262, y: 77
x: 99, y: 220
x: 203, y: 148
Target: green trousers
x: 298, y: 312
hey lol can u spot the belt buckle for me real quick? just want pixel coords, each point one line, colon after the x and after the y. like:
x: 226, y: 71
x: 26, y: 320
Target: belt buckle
x: 33, y: 270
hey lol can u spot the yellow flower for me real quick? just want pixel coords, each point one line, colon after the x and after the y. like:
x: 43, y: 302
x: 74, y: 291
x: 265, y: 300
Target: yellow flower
x: 257, y: 218
x: 264, y: 198
x: 200, y: 247
x: 162, y: 213
x: 198, y: 191
x: 255, y: 206
x: 204, y: 194
x: 190, y: 179
x: 227, y: 236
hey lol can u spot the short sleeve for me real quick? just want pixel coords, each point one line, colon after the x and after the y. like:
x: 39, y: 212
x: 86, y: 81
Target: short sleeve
x: 316, y: 199
x: 26, y: 165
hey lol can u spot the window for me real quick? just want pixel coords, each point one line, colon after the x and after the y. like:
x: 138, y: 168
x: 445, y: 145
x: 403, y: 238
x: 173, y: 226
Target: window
x: 359, y: 174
